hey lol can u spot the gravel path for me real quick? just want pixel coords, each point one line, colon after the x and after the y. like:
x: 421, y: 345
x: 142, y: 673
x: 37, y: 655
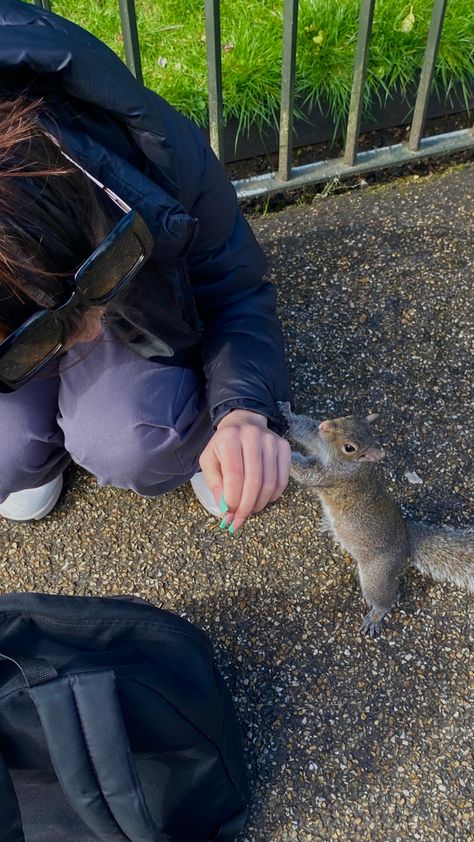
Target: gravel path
x: 347, y: 739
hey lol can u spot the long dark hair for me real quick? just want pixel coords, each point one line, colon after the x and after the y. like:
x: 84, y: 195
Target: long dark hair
x: 50, y: 216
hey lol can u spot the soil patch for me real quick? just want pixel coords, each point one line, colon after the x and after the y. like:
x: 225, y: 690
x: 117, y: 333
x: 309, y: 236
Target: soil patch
x: 334, y: 149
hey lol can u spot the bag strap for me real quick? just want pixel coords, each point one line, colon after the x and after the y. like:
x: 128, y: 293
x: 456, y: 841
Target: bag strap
x: 88, y: 744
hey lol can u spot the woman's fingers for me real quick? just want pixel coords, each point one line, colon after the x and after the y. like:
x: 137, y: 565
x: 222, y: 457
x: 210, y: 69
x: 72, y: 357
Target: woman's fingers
x: 276, y: 457
x: 222, y: 466
x: 246, y: 463
x: 251, y: 445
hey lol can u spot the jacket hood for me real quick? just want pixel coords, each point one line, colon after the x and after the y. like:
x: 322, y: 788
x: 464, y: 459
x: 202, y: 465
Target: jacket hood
x: 35, y: 42
x: 119, y: 119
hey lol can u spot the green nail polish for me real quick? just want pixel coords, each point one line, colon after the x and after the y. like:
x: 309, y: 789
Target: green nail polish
x: 231, y: 529
x: 222, y: 524
x: 224, y: 506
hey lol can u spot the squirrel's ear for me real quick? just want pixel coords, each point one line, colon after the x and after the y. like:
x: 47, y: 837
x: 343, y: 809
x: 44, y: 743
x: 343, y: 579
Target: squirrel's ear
x: 373, y: 454
x: 327, y: 426
x: 373, y: 417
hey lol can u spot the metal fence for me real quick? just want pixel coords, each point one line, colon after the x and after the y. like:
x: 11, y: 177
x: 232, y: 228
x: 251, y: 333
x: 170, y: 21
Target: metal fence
x: 352, y: 161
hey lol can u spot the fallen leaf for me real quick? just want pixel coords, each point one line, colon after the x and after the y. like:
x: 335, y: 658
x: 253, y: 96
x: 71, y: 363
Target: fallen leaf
x: 408, y: 22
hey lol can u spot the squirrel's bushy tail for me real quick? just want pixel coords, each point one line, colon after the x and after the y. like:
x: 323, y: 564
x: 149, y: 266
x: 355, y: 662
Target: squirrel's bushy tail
x: 443, y: 553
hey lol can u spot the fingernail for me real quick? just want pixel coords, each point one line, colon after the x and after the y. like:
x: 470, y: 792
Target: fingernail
x: 223, y: 505
x: 223, y: 523
x: 231, y: 529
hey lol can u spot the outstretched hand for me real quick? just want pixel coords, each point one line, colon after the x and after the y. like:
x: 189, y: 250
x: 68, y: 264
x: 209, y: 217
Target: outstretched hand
x: 246, y: 463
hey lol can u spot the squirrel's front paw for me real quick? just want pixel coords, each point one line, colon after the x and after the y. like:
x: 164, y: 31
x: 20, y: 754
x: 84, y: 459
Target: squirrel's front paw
x: 285, y: 409
x: 301, y: 467
x: 372, y: 623
x: 297, y: 458
x: 301, y: 428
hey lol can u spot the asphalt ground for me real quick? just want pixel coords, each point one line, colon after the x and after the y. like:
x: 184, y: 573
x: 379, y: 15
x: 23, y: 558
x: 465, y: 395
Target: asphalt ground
x: 346, y: 738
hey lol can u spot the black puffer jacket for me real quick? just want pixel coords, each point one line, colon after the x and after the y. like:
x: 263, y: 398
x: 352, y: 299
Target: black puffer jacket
x: 201, y: 293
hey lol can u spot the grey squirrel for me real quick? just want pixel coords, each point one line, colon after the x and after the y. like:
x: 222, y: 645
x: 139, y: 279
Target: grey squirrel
x: 341, y: 469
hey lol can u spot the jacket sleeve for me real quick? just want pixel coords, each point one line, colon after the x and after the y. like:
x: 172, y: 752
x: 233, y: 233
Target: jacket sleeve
x: 243, y: 352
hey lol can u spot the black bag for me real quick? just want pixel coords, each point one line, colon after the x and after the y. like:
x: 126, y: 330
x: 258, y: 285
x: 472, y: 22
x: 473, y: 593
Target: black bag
x: 114, y: 725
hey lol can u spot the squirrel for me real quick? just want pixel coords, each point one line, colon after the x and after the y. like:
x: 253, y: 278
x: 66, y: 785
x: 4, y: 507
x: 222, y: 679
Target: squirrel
x: 340, y: 467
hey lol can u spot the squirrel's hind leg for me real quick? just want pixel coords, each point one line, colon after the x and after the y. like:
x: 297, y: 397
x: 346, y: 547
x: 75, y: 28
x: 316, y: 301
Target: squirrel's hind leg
x: 379, y: 585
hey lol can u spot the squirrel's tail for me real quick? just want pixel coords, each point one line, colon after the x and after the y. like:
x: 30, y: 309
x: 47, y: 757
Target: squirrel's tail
x: 444, y: 553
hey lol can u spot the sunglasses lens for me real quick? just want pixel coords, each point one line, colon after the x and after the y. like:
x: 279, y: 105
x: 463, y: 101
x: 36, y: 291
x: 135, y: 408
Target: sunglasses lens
x: 30, y: 349
x: 108, y: 269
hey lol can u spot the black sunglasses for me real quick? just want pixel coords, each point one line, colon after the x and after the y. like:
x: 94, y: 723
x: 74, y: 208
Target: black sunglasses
x: 105, y: 274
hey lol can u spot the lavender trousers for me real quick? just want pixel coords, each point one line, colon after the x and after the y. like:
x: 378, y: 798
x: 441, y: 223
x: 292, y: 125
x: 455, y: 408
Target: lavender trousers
x: 131, y: 422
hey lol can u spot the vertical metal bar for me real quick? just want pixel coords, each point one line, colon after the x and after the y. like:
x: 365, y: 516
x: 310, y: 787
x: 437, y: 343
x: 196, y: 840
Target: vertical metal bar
x: 214, y: 76
x: 130, y: 36
x: 290, y: 30
x: 45, y: 4
x: 427, y: 72
x: 358, y: 80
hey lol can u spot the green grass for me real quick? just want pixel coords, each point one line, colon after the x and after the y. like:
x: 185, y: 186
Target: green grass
x: 174, y: 51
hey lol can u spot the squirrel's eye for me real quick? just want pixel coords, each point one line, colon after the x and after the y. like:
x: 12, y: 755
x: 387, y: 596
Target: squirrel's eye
x: 349, y: 448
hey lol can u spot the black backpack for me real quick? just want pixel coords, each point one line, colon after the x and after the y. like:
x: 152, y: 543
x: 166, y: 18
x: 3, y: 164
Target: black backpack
x: 114, y: 725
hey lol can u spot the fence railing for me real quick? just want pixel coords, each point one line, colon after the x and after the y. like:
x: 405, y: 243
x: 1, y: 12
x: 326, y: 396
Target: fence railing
x: 352, y: 161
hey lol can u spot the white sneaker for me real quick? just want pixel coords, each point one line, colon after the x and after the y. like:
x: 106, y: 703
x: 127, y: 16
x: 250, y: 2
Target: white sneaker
x: 32, y: 503
x: 205, y: 495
